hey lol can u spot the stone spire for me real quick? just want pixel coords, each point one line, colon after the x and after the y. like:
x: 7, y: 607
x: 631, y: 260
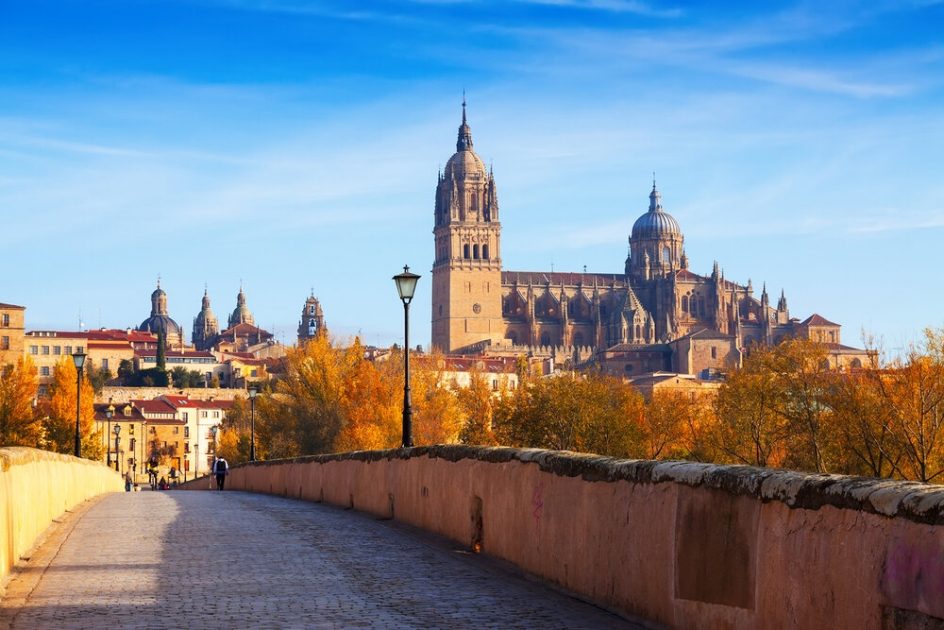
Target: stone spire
x: 464, y: 142
x: 782, y: 303
x: 655, y: 197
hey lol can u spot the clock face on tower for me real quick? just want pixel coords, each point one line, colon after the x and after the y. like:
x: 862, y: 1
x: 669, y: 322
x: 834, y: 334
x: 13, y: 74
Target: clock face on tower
x: 476, y: 308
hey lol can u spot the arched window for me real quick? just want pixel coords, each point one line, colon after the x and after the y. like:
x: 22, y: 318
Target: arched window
x: 485, y: 251
x: 666, y: 256
x: 856, y: 363
x: 475, y: 202
x: 475, y: 252
x: 545, y: 339
x: 638, y: 332
x: 465, y: 250
x: 513, y: 338
x: 684, y: 303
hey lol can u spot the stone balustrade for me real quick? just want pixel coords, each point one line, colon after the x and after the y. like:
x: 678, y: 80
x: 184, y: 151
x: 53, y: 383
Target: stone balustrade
x: 38, y: 486
x: 681, y: 544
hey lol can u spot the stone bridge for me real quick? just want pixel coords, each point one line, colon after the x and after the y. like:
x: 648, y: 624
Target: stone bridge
x: 453, y: 536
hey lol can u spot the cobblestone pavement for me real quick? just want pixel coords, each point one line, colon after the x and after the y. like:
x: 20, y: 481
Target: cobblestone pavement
x: 238, y: 560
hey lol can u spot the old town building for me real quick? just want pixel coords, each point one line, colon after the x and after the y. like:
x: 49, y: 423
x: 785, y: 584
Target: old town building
x: 12, y: 332
x: 656, y: 314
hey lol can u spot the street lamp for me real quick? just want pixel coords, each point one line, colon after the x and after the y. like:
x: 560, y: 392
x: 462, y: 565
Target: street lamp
x: 117, y: 459
x: 109, y: 413
x: 78, y: 358
x: 406, y: 286
x: 213, y: 431
x: 252, y: 423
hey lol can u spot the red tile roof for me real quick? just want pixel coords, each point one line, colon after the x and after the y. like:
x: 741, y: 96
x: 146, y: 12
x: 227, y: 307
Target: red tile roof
x: 817, y: 320
x: 156, y: 405
x: 19, y: 308
x: 200, y: 354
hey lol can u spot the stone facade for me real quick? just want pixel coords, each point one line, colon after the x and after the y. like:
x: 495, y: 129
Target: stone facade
x: 657, y: 307
x: 12, y: 331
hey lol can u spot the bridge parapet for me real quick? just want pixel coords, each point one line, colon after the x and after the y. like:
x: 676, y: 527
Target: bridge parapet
x: 680, y: 543
x: 37, y: 487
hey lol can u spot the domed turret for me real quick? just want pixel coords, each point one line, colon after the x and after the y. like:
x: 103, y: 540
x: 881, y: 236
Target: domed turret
x: 160, y: 321
x: 242, y: 314
x: 656, y: 243
x: 205, y: 325
x: 656, y: 223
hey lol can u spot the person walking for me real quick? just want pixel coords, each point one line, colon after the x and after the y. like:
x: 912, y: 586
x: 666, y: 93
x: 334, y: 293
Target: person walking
x: 221, y: 469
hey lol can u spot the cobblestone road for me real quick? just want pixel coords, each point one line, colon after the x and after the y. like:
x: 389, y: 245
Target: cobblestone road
x: 236, y: 560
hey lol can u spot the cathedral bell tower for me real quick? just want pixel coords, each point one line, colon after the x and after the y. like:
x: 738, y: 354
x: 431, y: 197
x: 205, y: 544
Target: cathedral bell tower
x: 467, y: 266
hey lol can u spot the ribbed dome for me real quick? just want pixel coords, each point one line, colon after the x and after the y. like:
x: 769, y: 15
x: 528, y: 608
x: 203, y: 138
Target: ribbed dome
x: 162, y: 323
x: 656, y: 223
x: 463, y: 164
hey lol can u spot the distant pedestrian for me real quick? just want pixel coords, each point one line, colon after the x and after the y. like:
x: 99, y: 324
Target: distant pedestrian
x: 162, y: 484
x: 221, y: 469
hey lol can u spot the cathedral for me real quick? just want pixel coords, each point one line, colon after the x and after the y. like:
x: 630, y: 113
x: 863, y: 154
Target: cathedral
x: 655, y: 315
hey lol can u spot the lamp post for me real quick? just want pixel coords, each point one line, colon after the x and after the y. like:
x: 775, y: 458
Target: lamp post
x: 252, y: 423
x: 406, y: 286
x: 78, y: 358
x: 109, y: 413
x: 117, y: 459
x: 213, y: 431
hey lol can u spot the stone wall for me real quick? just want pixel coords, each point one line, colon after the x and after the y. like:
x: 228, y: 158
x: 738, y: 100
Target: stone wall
x: 682, y: 544
x: 123, y: 394
x: 37, y: 487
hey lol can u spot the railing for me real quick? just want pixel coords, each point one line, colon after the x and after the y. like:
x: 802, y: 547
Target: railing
x: 681, y: 544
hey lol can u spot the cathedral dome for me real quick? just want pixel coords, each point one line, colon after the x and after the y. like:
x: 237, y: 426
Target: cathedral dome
x: 160, y: 323
x: 656, y: 223
x: 463, y: 164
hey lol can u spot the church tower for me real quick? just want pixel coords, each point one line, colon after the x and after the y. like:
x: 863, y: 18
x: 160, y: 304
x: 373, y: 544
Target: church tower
x: 241, y: 314
x: 205, y: 326
x: 467, y: 268
x: 311, y: 324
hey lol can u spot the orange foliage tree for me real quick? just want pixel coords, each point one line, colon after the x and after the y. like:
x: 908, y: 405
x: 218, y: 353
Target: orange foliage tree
x: 59, y: 412
x: 19, y: 425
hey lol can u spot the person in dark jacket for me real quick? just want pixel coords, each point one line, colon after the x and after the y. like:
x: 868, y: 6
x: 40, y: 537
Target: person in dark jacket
x: 220, y: 469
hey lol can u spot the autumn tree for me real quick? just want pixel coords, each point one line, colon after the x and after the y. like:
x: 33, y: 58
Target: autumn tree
x: 673, y: 426
x: 371, y: 404
x: 304, y: 416
x: 748, y: 428
x: 589, y: 413
x: 913, y: 392
x: 861, y: 424
x: 476, y: 403
x: 19, y: 425
x: 60, y: 412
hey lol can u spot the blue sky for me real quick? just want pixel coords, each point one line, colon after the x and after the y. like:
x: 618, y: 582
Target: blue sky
x: 293, y: 144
